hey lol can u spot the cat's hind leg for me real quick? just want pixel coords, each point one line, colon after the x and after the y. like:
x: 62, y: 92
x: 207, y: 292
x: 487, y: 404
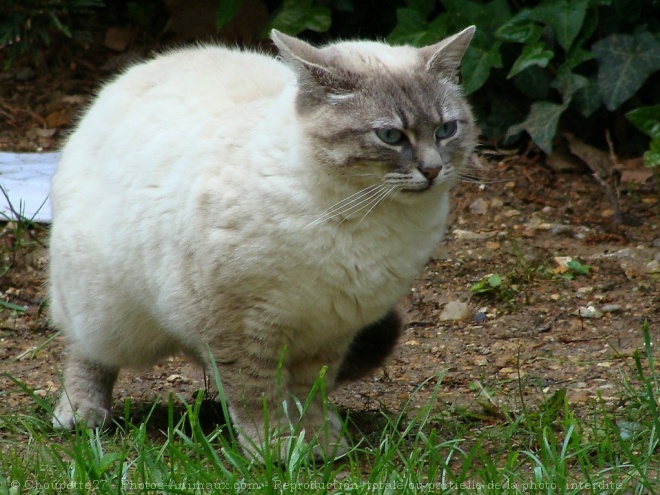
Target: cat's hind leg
x: 87, y: 393
x: 370, y: 347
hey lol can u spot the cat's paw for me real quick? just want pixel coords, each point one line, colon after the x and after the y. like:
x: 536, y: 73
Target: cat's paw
x: 319, y: 443
x: 70, y: 413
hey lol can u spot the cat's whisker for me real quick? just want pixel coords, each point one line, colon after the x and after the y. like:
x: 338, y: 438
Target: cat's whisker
x: 353, y: 197
x: 477, y: 179
x: 378, y: 200
x: 354, y: 201
x: 372, y: 201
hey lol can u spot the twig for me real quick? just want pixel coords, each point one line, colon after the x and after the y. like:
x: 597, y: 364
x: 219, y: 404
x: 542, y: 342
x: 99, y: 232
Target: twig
x: 612, y: 198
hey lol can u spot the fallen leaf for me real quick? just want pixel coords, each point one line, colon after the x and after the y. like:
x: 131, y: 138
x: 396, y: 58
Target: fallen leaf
x: 597, y: 160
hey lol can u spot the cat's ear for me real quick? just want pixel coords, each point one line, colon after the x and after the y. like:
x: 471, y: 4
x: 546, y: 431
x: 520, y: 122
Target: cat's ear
x: 444, y: 58
x: 315, y: 76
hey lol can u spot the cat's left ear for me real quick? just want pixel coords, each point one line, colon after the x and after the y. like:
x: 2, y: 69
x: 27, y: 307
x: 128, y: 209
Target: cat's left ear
x: 444, y: 58
x: 315, y: 77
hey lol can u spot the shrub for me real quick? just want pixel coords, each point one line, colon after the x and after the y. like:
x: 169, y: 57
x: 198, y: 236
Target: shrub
x: 25, y: 25
x: 533, y: 67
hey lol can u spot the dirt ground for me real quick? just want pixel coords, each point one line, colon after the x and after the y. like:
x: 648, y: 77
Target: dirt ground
x: 521, y: 340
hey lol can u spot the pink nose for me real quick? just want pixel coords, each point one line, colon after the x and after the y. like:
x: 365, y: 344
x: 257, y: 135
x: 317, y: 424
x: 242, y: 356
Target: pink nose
x: 430, y: 172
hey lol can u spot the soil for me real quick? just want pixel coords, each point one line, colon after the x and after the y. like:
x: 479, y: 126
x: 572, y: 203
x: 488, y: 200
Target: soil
x: 521, y: 341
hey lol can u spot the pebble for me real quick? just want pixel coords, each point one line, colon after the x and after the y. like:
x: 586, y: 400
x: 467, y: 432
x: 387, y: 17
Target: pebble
x: 653, y: 266
x: 558, y: 229
x: 480, y: 316
x: 455, y: 311
x: 468, y: 235
x: 611, y: 308
x: 479, y: 206
x: 627, y: 429
x: 496, y: 203
x: 177, y: 379
x: 589, y: 312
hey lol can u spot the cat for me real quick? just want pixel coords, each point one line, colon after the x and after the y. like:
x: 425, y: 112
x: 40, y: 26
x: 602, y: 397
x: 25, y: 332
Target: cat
x: 268, y: 212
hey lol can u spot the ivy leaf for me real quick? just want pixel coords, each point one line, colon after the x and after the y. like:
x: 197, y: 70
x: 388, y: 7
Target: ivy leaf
x: 488, y: 16
x: 477, y: 64
x: 412, y: 28
x: 625, y: 62
x: 297, y: 16
x: 541, y: 123
x: 577, y: 56
x: 568, y: 84
x: 226, y: 11
x: 652, y: 156
x: 534, y: 54
x: 588, y: 98
x: 647, y: 120
x: 564, y: 17
x: 520, y: 29
x: 424, y: 7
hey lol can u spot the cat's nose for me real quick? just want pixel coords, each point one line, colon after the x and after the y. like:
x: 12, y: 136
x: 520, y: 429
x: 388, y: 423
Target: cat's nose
x: 430, y: 171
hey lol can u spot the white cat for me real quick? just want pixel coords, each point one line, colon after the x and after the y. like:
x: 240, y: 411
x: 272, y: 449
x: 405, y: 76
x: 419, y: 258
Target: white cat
x: 221, y: 199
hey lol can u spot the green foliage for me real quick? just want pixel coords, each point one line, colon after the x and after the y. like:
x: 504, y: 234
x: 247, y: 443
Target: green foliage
x: 487, y: 284
x: 533, y: 67
x: 548, y: 447
x: 575, y: 268
x: 25, y: 25
x: 647, y: 120
x: 295, y: 16
x: 550, y: 60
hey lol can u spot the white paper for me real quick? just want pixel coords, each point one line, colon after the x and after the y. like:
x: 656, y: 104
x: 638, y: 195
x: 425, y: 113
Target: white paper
x: 25, y: 179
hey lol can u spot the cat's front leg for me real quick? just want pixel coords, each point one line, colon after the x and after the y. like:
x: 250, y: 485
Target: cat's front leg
x: 87, y: 393
x: 319, y: 417
x: 269, y: 407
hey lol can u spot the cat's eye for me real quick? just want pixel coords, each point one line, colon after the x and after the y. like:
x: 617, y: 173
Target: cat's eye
x: 391, y: 135
x: 448, y: 129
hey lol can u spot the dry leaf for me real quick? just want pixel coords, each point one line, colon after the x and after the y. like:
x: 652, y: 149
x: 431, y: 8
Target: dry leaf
x: 597, y: 160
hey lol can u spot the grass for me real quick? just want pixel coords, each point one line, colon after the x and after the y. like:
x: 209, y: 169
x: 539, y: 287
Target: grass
x: 548, y: 448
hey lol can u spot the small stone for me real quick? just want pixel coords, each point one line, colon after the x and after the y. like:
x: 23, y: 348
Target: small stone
x: 467, y: 235
x: 481, y: 361
x: 653, y: 266
x: 480, y: 317
x: 511, y: 213
x: 589, y: 312
x: 412, y: 342
x: 479, y: 206
x: 40, y: 393
x: 559, y: 229
x: 177, y: 379
x: 493, y: 245
x: 496, y: 203
x: 455, y: 311
x: 611, y: 308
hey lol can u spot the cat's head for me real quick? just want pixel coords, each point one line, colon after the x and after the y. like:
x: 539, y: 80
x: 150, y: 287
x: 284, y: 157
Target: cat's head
x: 393, y: 115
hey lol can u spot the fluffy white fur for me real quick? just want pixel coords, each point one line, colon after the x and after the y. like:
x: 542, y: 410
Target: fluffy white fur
x: 191, y: 211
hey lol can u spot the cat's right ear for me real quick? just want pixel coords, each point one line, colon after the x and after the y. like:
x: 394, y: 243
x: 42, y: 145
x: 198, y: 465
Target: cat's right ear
x: 315, y: 77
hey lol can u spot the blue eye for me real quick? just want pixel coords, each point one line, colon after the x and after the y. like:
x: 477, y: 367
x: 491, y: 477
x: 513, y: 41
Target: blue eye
x: 391, y: 135
x: 448, y: 129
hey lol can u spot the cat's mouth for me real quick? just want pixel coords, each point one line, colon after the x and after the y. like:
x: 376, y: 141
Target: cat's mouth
x: 418, y: 187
